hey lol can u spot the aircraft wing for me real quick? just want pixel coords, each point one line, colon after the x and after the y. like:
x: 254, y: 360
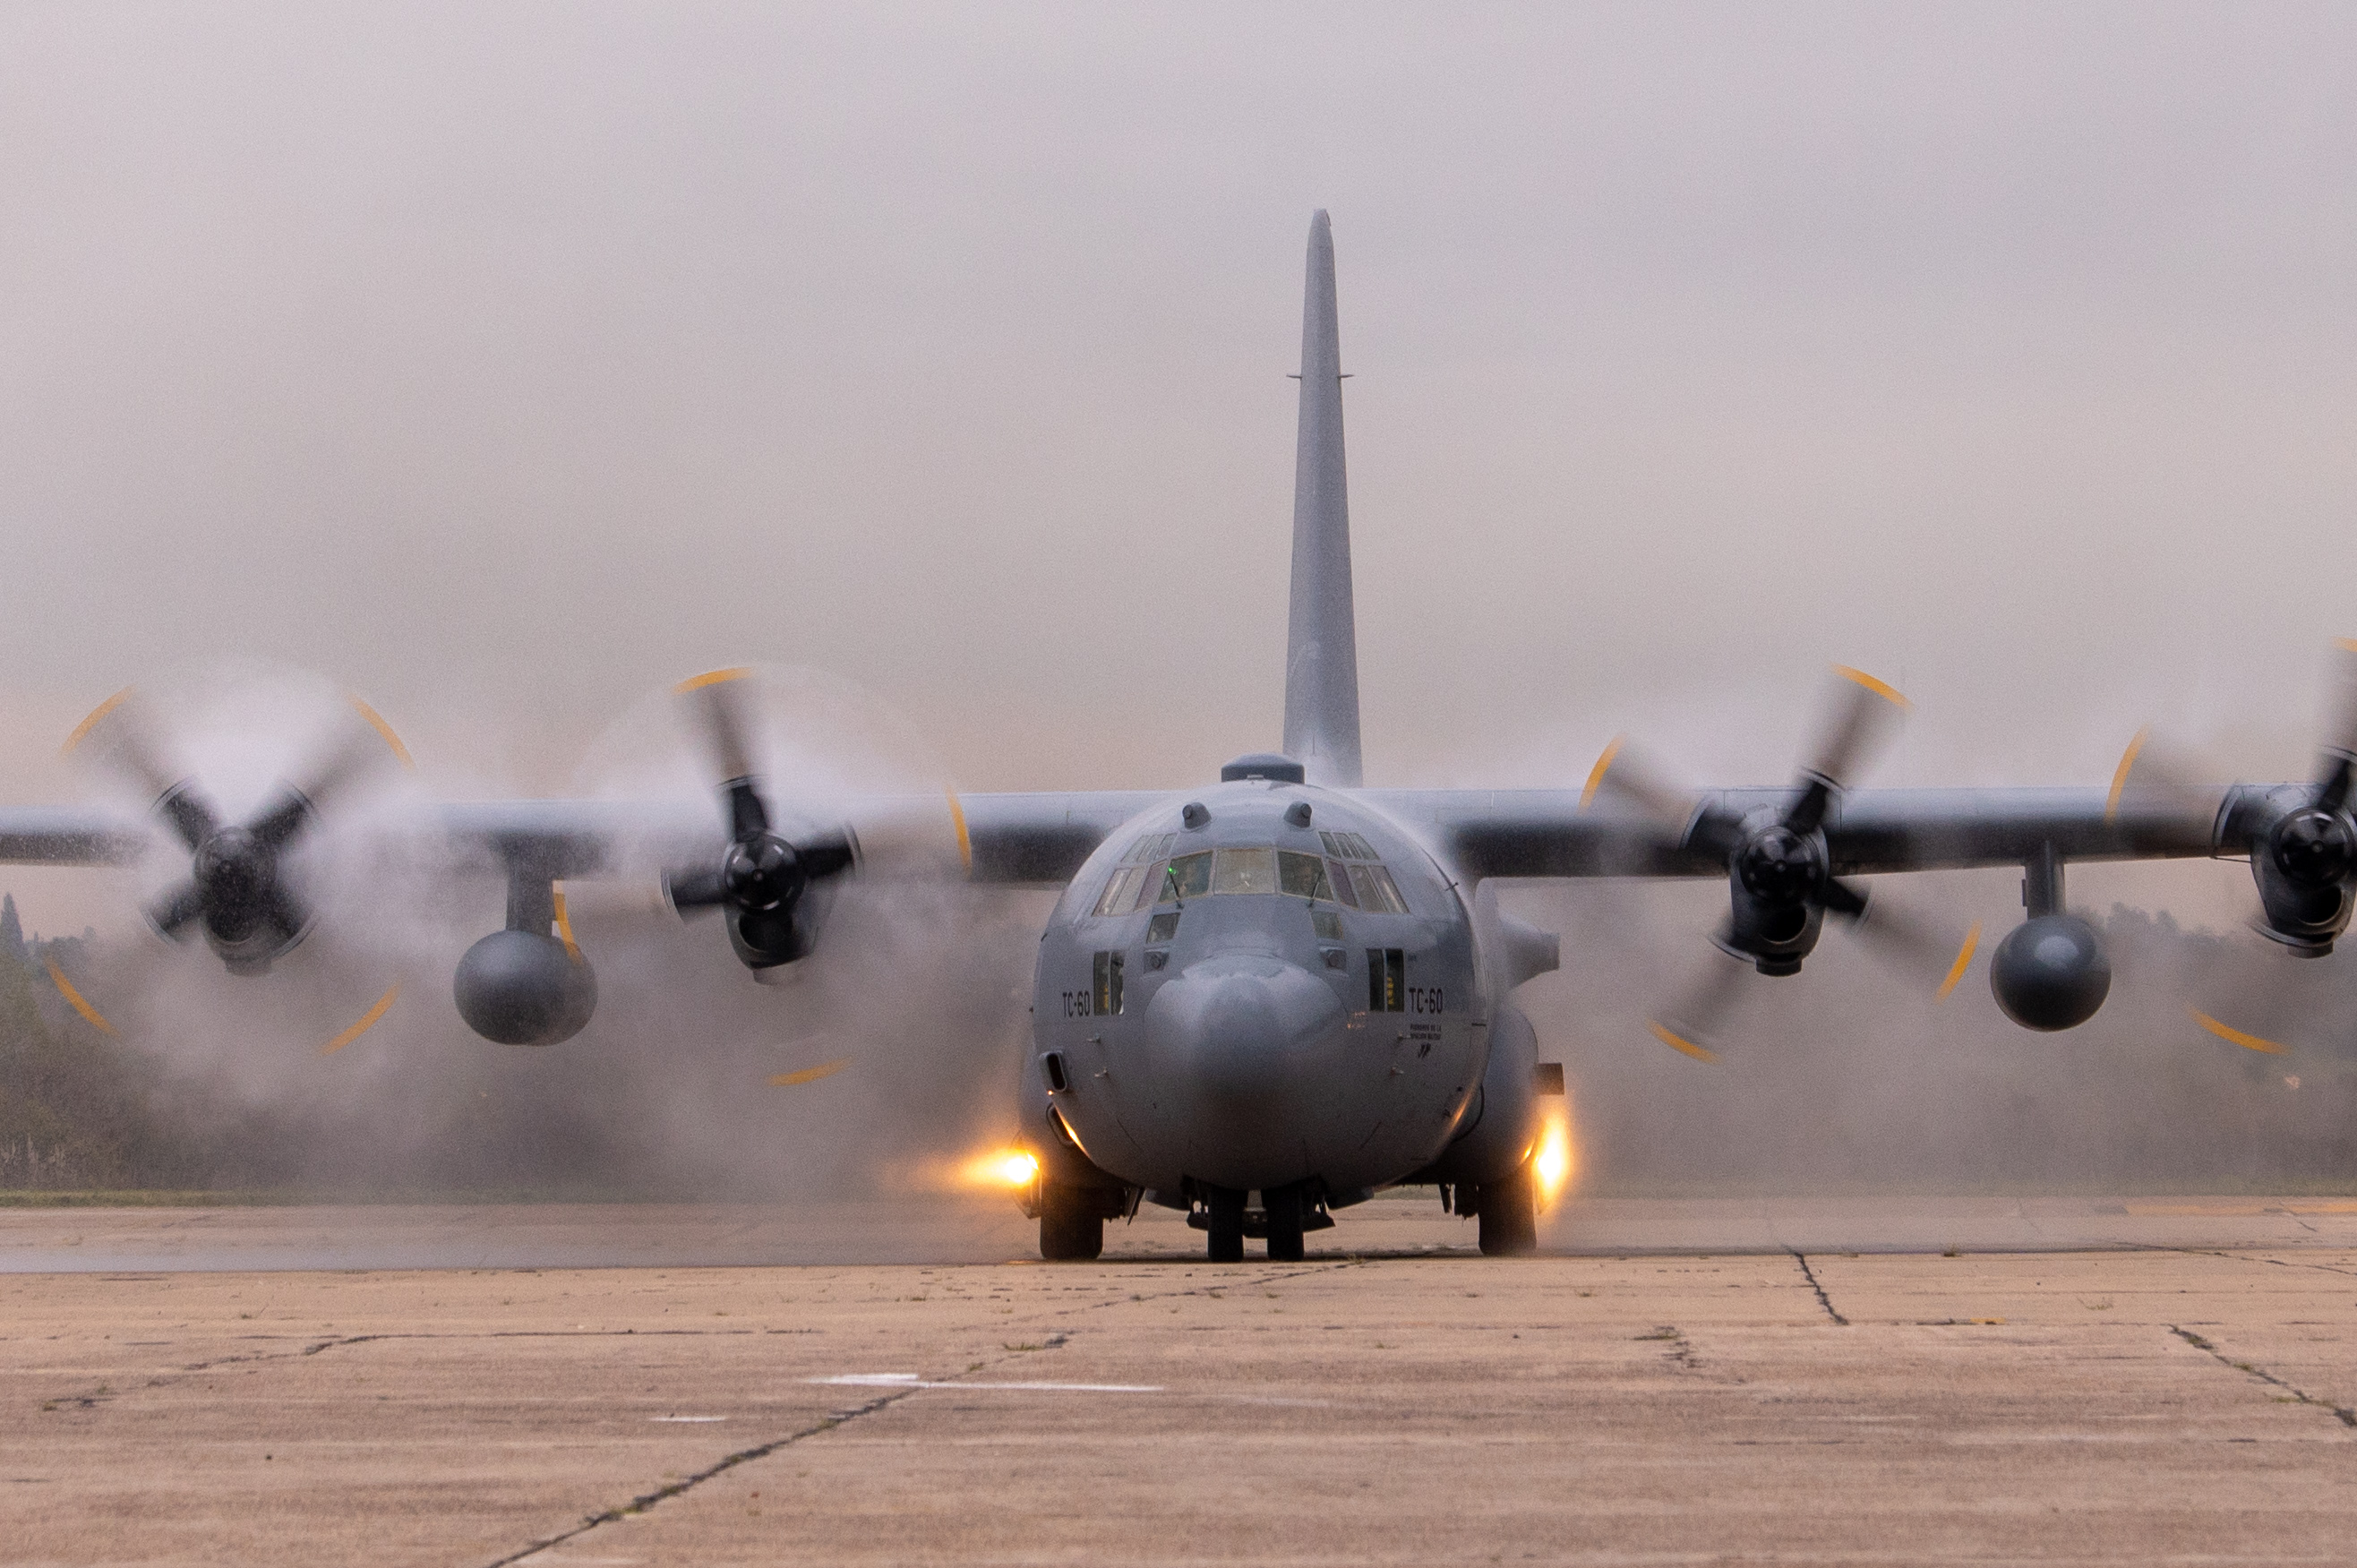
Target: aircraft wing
x: 68, y: 835
x: 1027, y: 839
x: 1033, y: 839
x: 1546, y: 833
x: 1040, y: 838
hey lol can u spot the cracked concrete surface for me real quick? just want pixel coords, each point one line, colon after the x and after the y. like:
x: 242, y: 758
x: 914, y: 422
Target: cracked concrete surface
x: 2084, y: 1407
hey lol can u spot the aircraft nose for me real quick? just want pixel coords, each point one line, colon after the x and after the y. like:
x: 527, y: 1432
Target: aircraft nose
x: 1237, y: 1044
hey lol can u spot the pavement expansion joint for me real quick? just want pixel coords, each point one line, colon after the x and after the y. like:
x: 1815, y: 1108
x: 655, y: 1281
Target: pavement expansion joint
x: 2251, y: 1258
x: 2346, y: 1416
x: 646, y: 1500
x: 891, y: 1395
x: 1824, y: 1300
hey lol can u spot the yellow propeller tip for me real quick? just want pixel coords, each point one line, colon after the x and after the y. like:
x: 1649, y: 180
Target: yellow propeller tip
x: 81, y: 731
x: 808, y: 1074
x: 75, y: 1000
x: 1595, y: 774
x: 965, y: 837
x: 1964, y: 960
x: 2235, y: 1036
x: 713, y: 678
x: 2120, y: 774
x: 1677, y: 1042
x: 564, y: 925
x: 376, y: 722
x: 367, y: 1021
x: 1883, y: 689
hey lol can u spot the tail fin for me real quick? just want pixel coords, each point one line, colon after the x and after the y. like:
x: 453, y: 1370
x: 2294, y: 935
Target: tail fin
x: 1321, y: 656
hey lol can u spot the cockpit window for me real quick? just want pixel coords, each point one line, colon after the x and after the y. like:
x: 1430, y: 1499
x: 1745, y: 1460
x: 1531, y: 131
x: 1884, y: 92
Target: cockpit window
x: 1302, y: 875
x: 1356, y: 876
x: 1132, y: 888
x: 1120, y: 893
x: 1252, y: 868
x: 1147, y: 850
x: 1189, y: 878
x: 1244, y: 871
x: 1377, y: 892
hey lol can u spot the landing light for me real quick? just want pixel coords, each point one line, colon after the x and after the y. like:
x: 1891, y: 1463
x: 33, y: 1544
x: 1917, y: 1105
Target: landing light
x: 1552, y: 1164
x: 1012, y: 1169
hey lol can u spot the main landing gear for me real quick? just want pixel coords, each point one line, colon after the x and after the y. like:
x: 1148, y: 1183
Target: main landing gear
x: 1286, y: 1214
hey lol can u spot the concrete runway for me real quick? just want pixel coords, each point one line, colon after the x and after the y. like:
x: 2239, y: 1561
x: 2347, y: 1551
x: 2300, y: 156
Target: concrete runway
x: 2191, y: 1396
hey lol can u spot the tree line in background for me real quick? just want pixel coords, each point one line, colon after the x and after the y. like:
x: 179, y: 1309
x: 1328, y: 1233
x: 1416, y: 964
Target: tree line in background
x: 76, y: 1107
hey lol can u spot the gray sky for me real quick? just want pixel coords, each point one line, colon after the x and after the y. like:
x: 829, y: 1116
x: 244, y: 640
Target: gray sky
x: 506, y: 363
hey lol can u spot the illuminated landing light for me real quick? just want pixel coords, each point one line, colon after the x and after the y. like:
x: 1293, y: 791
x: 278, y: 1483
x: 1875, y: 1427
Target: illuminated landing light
x: 1552, y: 1164
x: 1008, y: 1170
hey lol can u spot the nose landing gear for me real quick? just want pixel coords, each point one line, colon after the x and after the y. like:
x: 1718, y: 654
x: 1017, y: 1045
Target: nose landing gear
x: 1223, y: 1213
x: 1509, y: 1212
x: 1286, y: 1214
x: 1071, y: 1220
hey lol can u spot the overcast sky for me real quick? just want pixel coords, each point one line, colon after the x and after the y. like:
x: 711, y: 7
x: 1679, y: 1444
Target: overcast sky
x: 506, y: 363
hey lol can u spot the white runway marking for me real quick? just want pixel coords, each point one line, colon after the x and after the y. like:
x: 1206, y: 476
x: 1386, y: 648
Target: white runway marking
x: 687, y: 1418
x: 911, y: 1380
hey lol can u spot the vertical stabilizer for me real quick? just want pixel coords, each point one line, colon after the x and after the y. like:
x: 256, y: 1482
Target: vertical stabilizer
x: 1321, y: 654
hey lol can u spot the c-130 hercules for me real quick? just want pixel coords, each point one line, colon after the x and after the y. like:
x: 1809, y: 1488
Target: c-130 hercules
x: 1283, y: 986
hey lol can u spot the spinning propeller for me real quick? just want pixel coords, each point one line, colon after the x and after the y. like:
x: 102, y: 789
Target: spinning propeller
x: 1780, y: 872
x: 2302, y: 838
x: 237, y: 892
x: 773, y: 889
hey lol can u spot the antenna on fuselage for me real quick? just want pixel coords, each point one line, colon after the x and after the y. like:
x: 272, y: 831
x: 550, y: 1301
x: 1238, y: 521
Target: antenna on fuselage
x: 1321, y: 654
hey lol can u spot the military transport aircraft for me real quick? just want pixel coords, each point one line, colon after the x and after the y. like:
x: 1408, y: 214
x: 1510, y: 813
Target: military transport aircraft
x: 1262, y: 999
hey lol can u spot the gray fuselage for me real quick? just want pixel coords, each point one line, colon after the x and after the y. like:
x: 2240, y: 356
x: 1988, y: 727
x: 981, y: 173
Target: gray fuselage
x: 1270, y: 996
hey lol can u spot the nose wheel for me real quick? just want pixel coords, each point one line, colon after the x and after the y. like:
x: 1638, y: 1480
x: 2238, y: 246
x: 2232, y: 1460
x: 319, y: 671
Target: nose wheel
x: 1285, y: 1214
x: 1224, y: 1210
x: 1285, y: 1206
x: 1072, y: 1223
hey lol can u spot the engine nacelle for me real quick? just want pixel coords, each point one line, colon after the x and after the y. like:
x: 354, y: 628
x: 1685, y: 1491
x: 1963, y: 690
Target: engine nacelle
x: 521, y: 989
x: 1774, y: 937
x: 2050, y: 973
x: 2302, y: 866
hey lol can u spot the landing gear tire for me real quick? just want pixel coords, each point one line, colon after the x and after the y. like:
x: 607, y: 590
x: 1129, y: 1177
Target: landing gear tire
x: 1285, y: 1206
x: 1071, y: 1229
x: 1509, y: 1210
x: 1224, y: 1207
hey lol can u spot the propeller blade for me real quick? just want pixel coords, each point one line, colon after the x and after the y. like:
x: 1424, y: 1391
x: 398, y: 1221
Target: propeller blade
x: 2235, y: 1036
x: 1864, y: 714
x: 693, y: 892
x: 283, y: 914
x: 716, y: 713
x: 2340, y: 728
x: 1622, y: 772
x: 363, y: 744
x: 171, y: 914
x: 191, y: 816
x: 1692, y: 1023
x: 1901, y: 937
x: 77, y: 1001
x: 116, y: 736
x: 367, y: 1021
x: 829, y: 855
x: 282, y: 817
